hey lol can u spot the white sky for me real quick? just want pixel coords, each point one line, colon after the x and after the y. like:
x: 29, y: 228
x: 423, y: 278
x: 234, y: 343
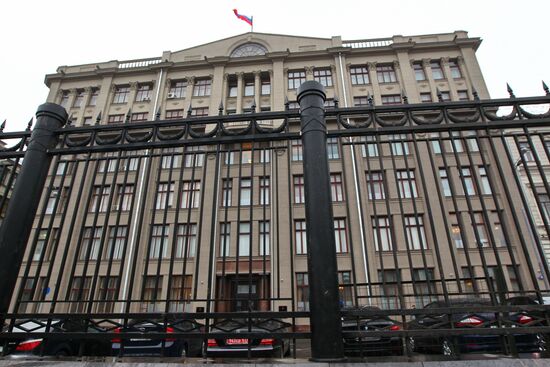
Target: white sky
x: 38, y: 36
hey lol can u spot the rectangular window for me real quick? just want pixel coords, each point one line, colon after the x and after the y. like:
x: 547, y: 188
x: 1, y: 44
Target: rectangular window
x: 513, y: 275
x: 115, y: 242
x: 87, y: 121
x: 227, y: 189
x: 359, y: 75
x: 199, y: 111
x: 340, y: 235
x: 64, y: 99
x: 369, y: 149
x: 463, y: 95
x: 245, y: 191
x: 43, y: 244
x: 345, y: 289
x: 360, y: 101
x: 265, y: 156
x: 79, y: 98
x: 455, y: 69
x: 323, y: 76
x: 124, y: 197
x: 399, y: 147
x: 165, y: 195
x: 468, y: 181
x: 437, y: 72
x: 456, y: 233
x: 419, y: 74
x: 144, y: 93
x: 194, y: 156
x: 159, y: 241
x: 481, y: 229
x: 266, y: 87
x: 416, y: 238
x: 170, y: 158
x: 336, y: 187
x: 426, y: 97
x: 445, y: 96
x: 300, y: 236
x: 225, y: 238
x: 485, y: 185
x: 264, y: 190
x: 445, y: 184
x: 332, y: 148
x: 180, y: 293
x: 299, y: 193
x: 178, y: 89
x: 468, y: 279
x: 190, y: 194
x: 139, y: 117
x: 500, y: 239
x: 296, y: 150
x: 91, y: 241
x: 424, y: 286
x: 391, y: 99
x: 186, y: 240
x: 173, y: 114
x: 107, y: 293
x: 115, y: 119
x: 407, y: 184
x: 151, y: 293
x: 121, y: 94
x: 375, y: 185
x: 80, y: 291
x: 100, y: 199
x: 302, y: 292
x: 264, y: 230
x: 382, y: 233
x: 526, y: 152
x: 248, y: 87
x: 244, y: 239
x: 93, y: 97
x: 296, y: 78
x: 202, y: 88
x: 544, y: 200
x: 386, y: 74
x: 50, y: 206
x: 389, y: 289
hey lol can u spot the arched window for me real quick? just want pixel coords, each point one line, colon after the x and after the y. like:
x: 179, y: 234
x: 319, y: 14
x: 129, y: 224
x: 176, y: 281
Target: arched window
x: 249, y: 49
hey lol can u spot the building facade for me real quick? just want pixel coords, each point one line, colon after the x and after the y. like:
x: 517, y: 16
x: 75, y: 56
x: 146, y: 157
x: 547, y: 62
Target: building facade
x: 222, y: 228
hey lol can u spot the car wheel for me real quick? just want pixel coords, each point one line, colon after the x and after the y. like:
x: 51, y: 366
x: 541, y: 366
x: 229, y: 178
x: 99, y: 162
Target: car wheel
x: 62, y: 353
x: 447, y: 348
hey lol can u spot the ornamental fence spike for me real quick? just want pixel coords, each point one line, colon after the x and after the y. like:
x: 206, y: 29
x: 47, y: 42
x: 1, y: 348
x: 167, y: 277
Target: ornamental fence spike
x: 29, y: 125
x: 510, y: 91
x: 98, y: 118
x: 157, y: 115
x: 3, y: 126
x: 220, y: 108
x: 545, y: 87
x: 475, y: 94
x: 189, y: 110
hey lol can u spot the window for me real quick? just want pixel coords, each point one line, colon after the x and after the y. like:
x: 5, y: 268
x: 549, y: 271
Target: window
x: 107, y: 293
x: 300, y: 236
x: 485, y: 185
x: 400, y: 147
x: 100, y: 199
x: 125, y: 194
x: 391, y: 99
x: 500, y: 239
x: 296, y: 78
x: 144, y: 92
x: 424, y: 286
x: 445, y: 182
x: 227, y: 187
x: 375, y: 185
x: 437, y: 72
x: 88, y: 120
x: 323, y: 76
x: 94, y: 93
x: 455, y: 69
x: 544, y: 200
x: 296, y: 150
x: 329, y: 103
x: 245, y: 191
x: 526, y: 152
x: 91, y: 241
x: 170, y: 158
x: 225, y: 238
x: 463, y: 95
x: 455, y: 143
x: 264, y: 228
x: 407, y: 184
x: 121, y: 94
x: 80, y: 291
x: 360, y: 101
x: 264, y: 190
x: 199, y: 111
x: 468, y: 279
x: 180, y: 293
x: 293, y: 105
x: 382, y: 234
x: 359, y: 75
x: 50, y: 206
x: 266, y: 86
x: 44, y: 244
x: 173, y: 114
x: 79, y: 98
x: 159, y: 241
x: 232, y: 86
x: 481, y: 230
x: 419, y: 74
x: 369, y: 149
x: 186, y: 240
x: 299, y: 193
x: 64, y: 99
x: 445, y: 96
x: 340, y: 235
x: 193, y: 156
x: 249, y: 49
x: 115, y: 242
x: 151, y: 293
x: 202, y: 88
x: 178, y: 89
x: 426, y: 97
x: 246, y: 153
x: 248, y: 86
x: 244, y: 239
x: 389, y: 288
x: 513, y: 275
x: 265, y: 156
x: 344, y: 289
x: 336, y: 188
x: 302, y: 292
x: 190, y: 194
x: 416, y: 238
x: 456, y: 233
x: 115, y: 119
x: 229, y: 158
x: 139, y: 116
x: 165, y: 195
x: 332, y: 148
x: 468, y: 181
x: 386, y: 74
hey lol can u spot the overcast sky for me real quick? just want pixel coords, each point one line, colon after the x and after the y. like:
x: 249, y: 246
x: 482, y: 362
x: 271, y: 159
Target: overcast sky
x: 38, y: 36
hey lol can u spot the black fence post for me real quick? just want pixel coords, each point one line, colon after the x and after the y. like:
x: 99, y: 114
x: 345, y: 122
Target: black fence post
x: 324, y: 303
x: 25, y: 198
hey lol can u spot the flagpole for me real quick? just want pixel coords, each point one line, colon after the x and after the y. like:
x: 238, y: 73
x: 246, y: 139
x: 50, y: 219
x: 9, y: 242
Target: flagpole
x: 251, y: 24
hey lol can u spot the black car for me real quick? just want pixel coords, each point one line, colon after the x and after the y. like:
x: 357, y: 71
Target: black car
x: 356, y: 328
x: 239, y: 346
x: 67, y: 345
x: 468, y: 343
x: 138, y: 343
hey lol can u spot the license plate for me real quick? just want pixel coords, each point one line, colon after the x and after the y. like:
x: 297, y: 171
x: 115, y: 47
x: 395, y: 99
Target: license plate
x: 236, y: 341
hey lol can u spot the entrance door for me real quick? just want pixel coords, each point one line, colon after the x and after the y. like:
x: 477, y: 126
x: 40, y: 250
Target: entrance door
x: 245, y: 295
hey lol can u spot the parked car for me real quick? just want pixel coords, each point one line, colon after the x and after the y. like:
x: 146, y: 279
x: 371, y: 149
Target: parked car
x: 27, y: 346
x: 467, y: 320
x: 368, y: 344
x: 139, y: 344
x: 238, y: 346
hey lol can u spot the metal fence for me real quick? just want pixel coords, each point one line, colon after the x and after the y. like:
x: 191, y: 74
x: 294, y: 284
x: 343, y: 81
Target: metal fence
x: 412, y: 228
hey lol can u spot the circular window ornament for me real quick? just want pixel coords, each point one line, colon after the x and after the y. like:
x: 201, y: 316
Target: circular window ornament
x: 249, y: 49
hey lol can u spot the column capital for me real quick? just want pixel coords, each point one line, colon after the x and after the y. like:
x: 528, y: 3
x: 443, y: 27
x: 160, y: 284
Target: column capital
x: 133, y: 85
x: 240, y: 74
x: 426, y: 62
x: 190, y: 80
x: 88, y: 90
x: 372, y: 65
x: 396, y: 64
x: 460, y: 60
x: 309, y: 70
x: 167, y: 82
x: 257, y: 73
x: 444, y: 61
